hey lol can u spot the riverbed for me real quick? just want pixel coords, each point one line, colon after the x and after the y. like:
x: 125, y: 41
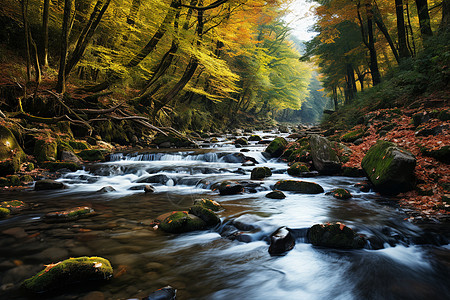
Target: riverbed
x: 405, y: 263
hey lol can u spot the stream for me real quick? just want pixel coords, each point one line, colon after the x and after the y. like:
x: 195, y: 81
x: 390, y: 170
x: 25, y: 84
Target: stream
x: 401, y: 260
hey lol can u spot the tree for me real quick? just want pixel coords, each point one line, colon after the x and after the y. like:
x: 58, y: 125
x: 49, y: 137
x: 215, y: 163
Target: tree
x: 424, y: 18
x: 61, y: 85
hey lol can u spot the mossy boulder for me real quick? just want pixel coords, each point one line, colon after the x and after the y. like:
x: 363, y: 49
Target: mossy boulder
x: 298, y: 186
x: 389, y: 168
x: 26, y: 178
x: 48, y: 184
x: 324, y: 157
x: 297, y: 169
x: 335, y: 236
x: 69, y: 215
x: 276, y: 147
x: 276, y: 195
x: 13, y: 205
x: 208, y: 203
x: 241, y: 141
x: 68, y: 272
x: 181, y: 221
x: 29, y: 167
x: 298, y: 151
x: 4, y: 181
x: 92, y: 155
x: 230, y: 188
x: 340, y: 194
x: 14, y: 180
x: 254, y: 138
x: 45, y: 149
x: 207, y: 215
x: 260, y: 173
x: 353, y: 135
x: 4, y: 212
x: 11, y: 154
x: 78, y: 145
x: 53, y: 166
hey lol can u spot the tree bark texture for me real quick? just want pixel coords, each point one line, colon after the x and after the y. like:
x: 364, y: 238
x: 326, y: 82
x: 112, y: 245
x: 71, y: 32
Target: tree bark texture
x: 424, y: 18
x: 401, y: 30
x: 61, y: 85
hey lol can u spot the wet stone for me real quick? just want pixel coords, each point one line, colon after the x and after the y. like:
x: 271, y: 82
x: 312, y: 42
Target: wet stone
x: 281, y: 241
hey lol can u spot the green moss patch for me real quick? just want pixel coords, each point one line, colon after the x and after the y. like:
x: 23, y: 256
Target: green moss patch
x: 207, y: 215
x: 335, y: 236
x: 260, y: 173
x: 297, y: 169
x: 181, y: 221
x: 92, y: 155
x: 4, y: 212
x: 55, y: 166
x: 68, y: 272
x: 77, y: 145
x: 69, y: 215
x: 277, y: 147
x: 341, y: 194
x: 352, y: 136
x: 211, y: 204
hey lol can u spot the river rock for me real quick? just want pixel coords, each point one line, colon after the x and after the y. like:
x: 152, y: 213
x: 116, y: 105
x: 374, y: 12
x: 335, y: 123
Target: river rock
x: 260, y: 173
x: 69, y: 215
x: 68, y: 272
x: 207, y: 215
x: 298, y: 186
x: 106, y: 189
x: 45, y: 149
x: 230, y: 188
x: 389, y: 168
x: 159, y: 178
x: 181, y: 221
x: 241, y: 141
x: 297, y: 169
x: 69, y: 156
x: 48, y: 184
x: 149, y: 189
x: 276, y: 147
x: 340, y: 194
x: 335, y: 236
x: 276, y: 195
x: 255, y: 138
x: 325, y: 159
x: 281, y: 241
x: 165, y: 293
x: 208, y: 203
x: 92, y: 155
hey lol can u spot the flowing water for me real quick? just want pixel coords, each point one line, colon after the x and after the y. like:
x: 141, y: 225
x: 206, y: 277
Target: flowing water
x: 208, y: 264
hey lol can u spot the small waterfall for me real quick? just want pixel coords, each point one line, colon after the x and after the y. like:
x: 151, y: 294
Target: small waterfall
x: 178, y: 156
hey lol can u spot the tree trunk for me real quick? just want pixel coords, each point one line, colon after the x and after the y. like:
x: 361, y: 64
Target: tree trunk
x: 61, y: 85
x: 376, y: 77
x: 424, y: 19
x: 86, y: 35
x: 401, y: 31
x: 409, y: 33
x: 335, y: 98
x: 37, y: 67
x: 24, y: 5
x: 45, y: 32
x: 445, y: 21
x: 380, y: 24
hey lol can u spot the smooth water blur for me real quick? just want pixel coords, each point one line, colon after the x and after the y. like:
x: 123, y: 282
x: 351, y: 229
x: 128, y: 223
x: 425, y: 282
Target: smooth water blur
x: 206, y: 264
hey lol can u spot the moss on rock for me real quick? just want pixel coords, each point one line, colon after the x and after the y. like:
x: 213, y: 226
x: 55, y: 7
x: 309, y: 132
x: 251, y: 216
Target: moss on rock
x: 241, y: 141
x: 335, y: 236
x: 77, y: 145
x: 207, y: 215
x: 12, y: 205
x: 277, y: 147
x: 4, y: 212
x: 68, y: 272
x: 297, y: 169
x: 389, y: 168
x: 69, y: 215
x: 11, y: 154
x: 181, y: 221
x: 92, y: 155
x: 13, y: 180
x: 45, y: 150
x: 352, y: 136
x: 208, y: 203
x: 255, y: 138
x: 341, y: 194
x: 260, y: 173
